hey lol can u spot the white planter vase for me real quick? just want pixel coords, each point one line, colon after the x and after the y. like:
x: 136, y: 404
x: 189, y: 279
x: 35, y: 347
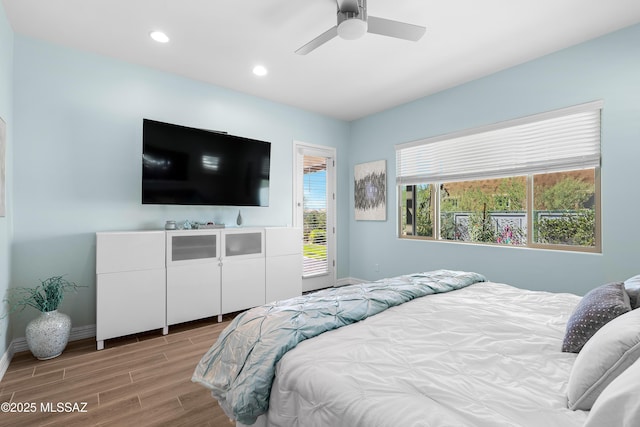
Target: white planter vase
x: 47, y: 335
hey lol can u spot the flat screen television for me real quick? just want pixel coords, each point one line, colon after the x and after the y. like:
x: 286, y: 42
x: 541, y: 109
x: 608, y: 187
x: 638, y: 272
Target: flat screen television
x: 188, y: 166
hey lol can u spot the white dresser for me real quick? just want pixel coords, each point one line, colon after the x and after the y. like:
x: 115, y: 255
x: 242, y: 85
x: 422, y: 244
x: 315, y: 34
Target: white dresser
x: 153, y: 279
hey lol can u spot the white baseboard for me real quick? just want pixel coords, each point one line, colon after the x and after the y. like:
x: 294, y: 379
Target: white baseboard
x: 6, y: 360
x: 20, y: 344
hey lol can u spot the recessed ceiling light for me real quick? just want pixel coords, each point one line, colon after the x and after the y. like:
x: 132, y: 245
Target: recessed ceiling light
x: 159, y: 36
x: 260, y: 70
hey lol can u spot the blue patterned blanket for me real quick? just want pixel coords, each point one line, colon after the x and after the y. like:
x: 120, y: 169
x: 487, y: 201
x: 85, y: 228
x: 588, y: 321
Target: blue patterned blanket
x: 240, y: 367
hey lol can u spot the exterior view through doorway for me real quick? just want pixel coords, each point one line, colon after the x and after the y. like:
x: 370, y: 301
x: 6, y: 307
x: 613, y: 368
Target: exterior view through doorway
x: 314, y: 212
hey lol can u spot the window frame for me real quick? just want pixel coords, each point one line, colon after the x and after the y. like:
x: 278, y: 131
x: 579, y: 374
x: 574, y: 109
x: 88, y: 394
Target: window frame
x: 562, y: 140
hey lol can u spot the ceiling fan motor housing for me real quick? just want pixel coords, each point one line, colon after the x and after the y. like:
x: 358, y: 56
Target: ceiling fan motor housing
x: 351, y: 24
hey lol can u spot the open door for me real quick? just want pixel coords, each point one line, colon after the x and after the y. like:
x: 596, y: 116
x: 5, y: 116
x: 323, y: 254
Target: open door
x: 314, y: 212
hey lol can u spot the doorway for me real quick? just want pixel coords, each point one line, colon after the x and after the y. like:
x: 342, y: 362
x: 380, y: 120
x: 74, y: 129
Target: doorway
x: 314, y: 212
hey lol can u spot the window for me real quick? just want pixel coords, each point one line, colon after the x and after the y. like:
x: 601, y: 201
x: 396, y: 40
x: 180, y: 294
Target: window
x: 527, y: 182
x: 564, y: 208
x: 416, y: 211
x: 484, y: 211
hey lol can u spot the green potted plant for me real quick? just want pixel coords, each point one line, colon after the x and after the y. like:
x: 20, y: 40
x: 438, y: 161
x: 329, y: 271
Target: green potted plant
x: 48, y: 334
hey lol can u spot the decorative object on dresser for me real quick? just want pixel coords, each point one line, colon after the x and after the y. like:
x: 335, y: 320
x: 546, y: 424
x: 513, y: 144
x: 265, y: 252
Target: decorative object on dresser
x: 48, y: 334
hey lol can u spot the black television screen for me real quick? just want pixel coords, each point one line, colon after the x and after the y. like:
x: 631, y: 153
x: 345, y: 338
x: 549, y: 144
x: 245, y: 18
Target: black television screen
x: 188, y: 166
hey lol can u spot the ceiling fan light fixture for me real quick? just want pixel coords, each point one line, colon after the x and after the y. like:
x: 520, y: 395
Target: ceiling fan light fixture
x: 351, y: 29
x: 159, y: 36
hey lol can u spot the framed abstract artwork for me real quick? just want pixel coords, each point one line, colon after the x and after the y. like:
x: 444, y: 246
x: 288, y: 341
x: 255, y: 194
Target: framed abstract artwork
x: 370, y: 180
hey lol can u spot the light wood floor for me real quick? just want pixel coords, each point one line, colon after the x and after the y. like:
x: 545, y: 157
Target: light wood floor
x: 135, y: 381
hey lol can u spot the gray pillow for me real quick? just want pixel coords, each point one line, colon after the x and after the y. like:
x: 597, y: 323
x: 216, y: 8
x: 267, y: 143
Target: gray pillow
x: 597, y: 308
x: 605, y: 357
x: 632, y: 285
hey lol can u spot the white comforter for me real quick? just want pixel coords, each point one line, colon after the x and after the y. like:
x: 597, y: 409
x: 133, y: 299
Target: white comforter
x: 487, y: 355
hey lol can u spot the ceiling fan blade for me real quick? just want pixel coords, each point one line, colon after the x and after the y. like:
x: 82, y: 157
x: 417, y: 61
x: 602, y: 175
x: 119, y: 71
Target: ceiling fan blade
x: 400, y: 30
x: 318, y: 41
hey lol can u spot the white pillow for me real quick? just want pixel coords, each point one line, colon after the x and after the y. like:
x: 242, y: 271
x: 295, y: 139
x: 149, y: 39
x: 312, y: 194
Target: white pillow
x: 606, y: 355
x: 632, y: 286
x: 618, y: 405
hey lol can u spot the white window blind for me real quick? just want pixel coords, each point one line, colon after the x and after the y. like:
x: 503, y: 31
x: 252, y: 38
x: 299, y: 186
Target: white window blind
x: 559, y: 140
x: 315, y: 216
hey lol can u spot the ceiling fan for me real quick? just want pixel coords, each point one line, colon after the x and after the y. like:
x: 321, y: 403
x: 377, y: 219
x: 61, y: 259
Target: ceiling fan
x: 353, y: 23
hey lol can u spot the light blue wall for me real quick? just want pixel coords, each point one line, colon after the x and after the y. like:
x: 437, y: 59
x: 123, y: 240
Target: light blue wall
x: 78, y: 118
x: 606, y: 68
x: 6, y: 113
x: 76, y: 170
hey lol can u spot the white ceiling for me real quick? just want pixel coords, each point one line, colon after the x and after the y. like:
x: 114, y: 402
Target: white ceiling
x: 220, y: 41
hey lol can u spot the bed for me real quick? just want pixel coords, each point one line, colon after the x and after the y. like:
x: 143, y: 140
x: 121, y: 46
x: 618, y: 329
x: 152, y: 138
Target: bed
x: 478, y: 354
